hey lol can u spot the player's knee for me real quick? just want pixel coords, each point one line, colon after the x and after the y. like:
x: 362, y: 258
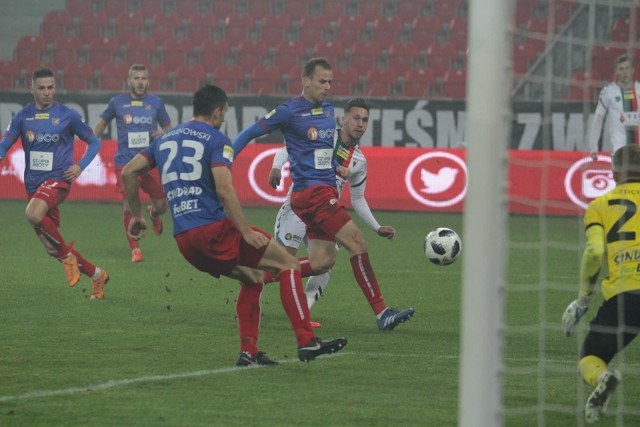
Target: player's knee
x: 322, y: 265
x: 33, y: 217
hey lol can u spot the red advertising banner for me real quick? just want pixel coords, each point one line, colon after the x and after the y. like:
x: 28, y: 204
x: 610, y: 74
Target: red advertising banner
x: 407, y: 179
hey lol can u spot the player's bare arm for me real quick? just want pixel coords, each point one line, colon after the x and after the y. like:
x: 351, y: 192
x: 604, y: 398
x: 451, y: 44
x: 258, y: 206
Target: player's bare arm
x: 343, y: 172
x: 229, y: 199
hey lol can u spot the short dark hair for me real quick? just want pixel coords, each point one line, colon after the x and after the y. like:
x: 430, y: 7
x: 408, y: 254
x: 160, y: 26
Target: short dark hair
x: 41, y: 72
x: 136, y: 67
x: 623, y: 58
x: 356, y: 102
x: 310, y: 66
x: 208, y: 98
x: 626, y: 162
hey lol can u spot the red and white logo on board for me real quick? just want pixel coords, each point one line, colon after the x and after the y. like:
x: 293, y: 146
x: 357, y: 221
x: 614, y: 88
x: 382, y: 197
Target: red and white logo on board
x: 259, y: 177
x: 588, y: 179
x: 437, y: 179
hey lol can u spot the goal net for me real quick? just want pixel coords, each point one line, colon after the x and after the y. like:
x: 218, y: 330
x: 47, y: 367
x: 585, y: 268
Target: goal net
x: 532, y: 88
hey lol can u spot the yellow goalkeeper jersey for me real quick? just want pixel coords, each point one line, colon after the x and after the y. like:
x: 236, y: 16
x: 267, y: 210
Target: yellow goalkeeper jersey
x: 618, y: 212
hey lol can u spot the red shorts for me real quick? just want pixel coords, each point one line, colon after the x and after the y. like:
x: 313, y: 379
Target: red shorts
x: 52, y: 192
x: 320, y: 209
x: 218, y: 248
x: 150, y: 183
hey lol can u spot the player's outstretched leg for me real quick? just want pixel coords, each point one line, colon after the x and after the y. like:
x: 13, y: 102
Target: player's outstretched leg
x: 390, y: 318
x: 317, y: 347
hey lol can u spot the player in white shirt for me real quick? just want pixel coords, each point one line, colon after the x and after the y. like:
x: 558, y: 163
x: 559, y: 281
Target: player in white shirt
x: 290, y: 231
x: 618, y: 104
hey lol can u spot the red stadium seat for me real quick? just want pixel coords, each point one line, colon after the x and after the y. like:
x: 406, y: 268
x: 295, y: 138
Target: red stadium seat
x: 102, y: 50
x: 264, y: 79
x: 363, y: 54
x: 288, y: 54
x: 114, y: 76
x: 311, y: 29
x: 379, y: 74
x: 213, y: 53
x: 355, y: 22
x: 66, y: 49
x: 386, y: 28
x: 454, y: 84
x: 9, y: 74
x: 377, y: 88
x: 401, y: 55
x: 114, y: 7
x: 417, y: 82
x: 227, y: 76
x: 445, y: 9
x: 139, y: 51
x: 77, y: 75
x: 127, y: 25
x: 344, y: 74
x: 407, y: 10
x: 199, y: 26
x: 188, y: 78
x: 341, y: 88
x: 333, y: 9
x: 55, y: 24
x: 582, y: 87
x: 330, y: 49
x: 280, y: 21
x: 92, y: 24
x: 158, y: 77
x: 235, y: 35
x: 249, y: 51
x: 164, y: 26
x: 272, y: 35
x: 29, y: 49
x: 369, y: 10
x: 175, y: 52
x: 296, y: 9
x: 440, y: 56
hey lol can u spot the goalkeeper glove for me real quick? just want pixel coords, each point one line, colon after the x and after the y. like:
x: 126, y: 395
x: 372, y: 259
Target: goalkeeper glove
x: 573, y: 313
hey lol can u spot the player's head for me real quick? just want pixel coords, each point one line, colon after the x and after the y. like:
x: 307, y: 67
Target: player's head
x: 138, y: 80
x: 623, y: 66
x: 43, y: 87
x: 626, y: 163
x: 355, y: 120
x: 210, y: 104
x: 316, y: 80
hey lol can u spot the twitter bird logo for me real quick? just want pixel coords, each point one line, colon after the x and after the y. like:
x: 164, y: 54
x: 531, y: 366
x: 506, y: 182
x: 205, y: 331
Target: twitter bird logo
x: 438, y: 182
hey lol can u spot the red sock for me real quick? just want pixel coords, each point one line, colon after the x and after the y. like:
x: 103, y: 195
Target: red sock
x: 295, y: 305
x: 248, y: 312
x: 305, y: 271
x: 50, y: 231
x: 366, y: 278
x: 84, y: 266
x: 126, y: 217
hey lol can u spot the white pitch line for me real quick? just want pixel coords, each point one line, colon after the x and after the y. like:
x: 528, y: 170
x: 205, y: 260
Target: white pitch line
x: 120, y: 383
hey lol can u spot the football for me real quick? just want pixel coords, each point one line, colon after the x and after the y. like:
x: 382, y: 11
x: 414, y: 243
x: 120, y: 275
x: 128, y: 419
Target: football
x: 442, y: 246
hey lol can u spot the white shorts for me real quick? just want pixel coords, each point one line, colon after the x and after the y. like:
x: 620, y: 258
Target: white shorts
x: 289, y: 230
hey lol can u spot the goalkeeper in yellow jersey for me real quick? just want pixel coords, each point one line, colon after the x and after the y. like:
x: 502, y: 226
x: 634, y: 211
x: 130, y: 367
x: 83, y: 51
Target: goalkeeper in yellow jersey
x: 612, y: 225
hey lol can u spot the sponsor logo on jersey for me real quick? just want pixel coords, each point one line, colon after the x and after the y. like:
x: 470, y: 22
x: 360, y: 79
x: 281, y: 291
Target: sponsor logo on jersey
x: 137, y: 120
x: 312, y: 134
x: 127, y: 119
x: 227, y: 153
x: 30, y: 135
x: 48, y: 137
x: 270, y: 113
x: 55, y: 121
x: 42, y: 116
x: 627, y: 256
x: 137, y: 103
x: 437, y: 179
x: 317, y: 111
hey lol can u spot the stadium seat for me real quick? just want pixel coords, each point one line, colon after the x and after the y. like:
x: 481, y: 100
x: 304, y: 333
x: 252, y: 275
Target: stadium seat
x: 401, y: 55
x: 139, y: 51
x: 175, y: 52
x: 164, y: 26
x: 77, y: 76
x: 296, y: 9
x: 9, y: 74
x: 288, y: 54
x: 258, y: 8
x: 344, y: 74
x: 445, y: 9
x: 454, y: 84
x: 363, y: 54
x: 92, y: 24
x: 417, y: 82
x: 582, y: 87
x: 223, y: 8
x: 114, y: 7
x: 79, y: 6
x: 375, y: 88
x: 279, y: 21
x: 128, y: 25
x: 311, y: 28
x: 227, y: 76
x: 29, y: 49
x: 369, y: 10
x: 386, y: 28
x: 150, y: 7
x: 114, y: 76
x: 55, y: 24
x: 235, y: 35
x: 249, y: 51
x: 440, y: 56
x: 407, y: 10
x: 341, y: 88
x: 264, y: 78
x: 102, y: 50
x: 188, y: 78
x: 330, y: 49
x: 272, y: 35
x: 66, y: 49
x: 212, y: 53
x: 380, y: 74
x: 158, y: 77
x: 199, y: 26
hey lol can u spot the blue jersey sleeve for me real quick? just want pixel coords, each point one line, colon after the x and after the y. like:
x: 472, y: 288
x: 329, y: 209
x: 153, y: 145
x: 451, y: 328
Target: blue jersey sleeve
x: 110, y: 112
x: 163, y: 117
x: 93, y: 147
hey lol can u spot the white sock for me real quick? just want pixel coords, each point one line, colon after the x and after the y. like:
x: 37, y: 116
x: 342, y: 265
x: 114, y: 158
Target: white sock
x: 97, y: 274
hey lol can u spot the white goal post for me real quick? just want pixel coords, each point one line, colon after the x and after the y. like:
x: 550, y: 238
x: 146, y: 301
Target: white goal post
x: 485, y: 220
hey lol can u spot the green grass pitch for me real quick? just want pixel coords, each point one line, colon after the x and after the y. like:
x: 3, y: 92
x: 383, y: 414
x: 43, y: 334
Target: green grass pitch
x: 159, y: 350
